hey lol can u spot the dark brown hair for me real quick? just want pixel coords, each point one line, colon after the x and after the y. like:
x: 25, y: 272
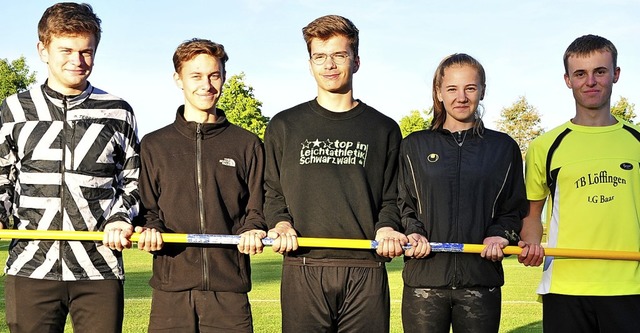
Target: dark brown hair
x: 587, y: 44
x: 329, y: 26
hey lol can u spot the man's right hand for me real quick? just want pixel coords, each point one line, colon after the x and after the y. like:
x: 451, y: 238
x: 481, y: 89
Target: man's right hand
x: 285, y: 238
x: 150, y: 239
x: 532, y: 254
x: 420, y: 246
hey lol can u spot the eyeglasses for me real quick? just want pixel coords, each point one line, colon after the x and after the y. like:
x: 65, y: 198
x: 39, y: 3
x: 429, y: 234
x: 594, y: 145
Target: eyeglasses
x: 338, y: 58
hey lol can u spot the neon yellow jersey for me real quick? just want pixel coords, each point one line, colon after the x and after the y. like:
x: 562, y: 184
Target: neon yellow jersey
x: 592, y: 176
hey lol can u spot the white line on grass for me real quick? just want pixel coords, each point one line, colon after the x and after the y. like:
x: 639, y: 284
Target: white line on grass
x: 393, y: 301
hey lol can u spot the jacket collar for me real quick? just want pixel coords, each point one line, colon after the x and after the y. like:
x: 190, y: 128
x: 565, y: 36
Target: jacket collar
x: 469, y: 132
x: 207, y: 130
x: 56, y: 98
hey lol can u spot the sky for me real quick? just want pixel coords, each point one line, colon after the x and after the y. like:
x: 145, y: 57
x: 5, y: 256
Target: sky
x: 520, y: 44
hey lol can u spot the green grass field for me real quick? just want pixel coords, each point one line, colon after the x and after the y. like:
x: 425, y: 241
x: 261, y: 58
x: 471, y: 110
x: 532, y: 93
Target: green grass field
x: 521, y: 313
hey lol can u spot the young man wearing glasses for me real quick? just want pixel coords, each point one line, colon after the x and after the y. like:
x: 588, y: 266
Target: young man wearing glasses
x: 331, y: 167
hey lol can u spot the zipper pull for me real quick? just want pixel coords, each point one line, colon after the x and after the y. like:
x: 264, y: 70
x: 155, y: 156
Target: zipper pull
x: 64, y: 103
x: 199, y: 131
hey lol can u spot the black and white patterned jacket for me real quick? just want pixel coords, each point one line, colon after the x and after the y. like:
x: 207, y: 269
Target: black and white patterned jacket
x: 67, y: 163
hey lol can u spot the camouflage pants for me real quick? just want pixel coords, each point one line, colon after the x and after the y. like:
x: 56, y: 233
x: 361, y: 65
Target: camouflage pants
x: 437, y: 310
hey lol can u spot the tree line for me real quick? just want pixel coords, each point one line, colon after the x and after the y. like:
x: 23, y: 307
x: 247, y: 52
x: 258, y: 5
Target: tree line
x: 520, y: 120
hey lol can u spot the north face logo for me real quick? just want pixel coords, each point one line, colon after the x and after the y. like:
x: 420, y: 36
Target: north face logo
x: 228, y: 162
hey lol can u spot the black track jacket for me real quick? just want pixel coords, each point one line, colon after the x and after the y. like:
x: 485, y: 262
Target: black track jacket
x: 460, y: 190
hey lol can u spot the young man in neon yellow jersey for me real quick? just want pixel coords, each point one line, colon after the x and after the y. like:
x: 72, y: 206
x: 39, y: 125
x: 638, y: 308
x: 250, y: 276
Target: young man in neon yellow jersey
x: 589, y: 167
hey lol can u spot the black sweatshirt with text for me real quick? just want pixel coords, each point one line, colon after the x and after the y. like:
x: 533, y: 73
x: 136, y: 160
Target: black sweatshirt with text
x: 332, y: 174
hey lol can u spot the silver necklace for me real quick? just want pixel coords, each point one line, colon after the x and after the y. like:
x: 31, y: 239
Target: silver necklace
x: 460, y: 138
